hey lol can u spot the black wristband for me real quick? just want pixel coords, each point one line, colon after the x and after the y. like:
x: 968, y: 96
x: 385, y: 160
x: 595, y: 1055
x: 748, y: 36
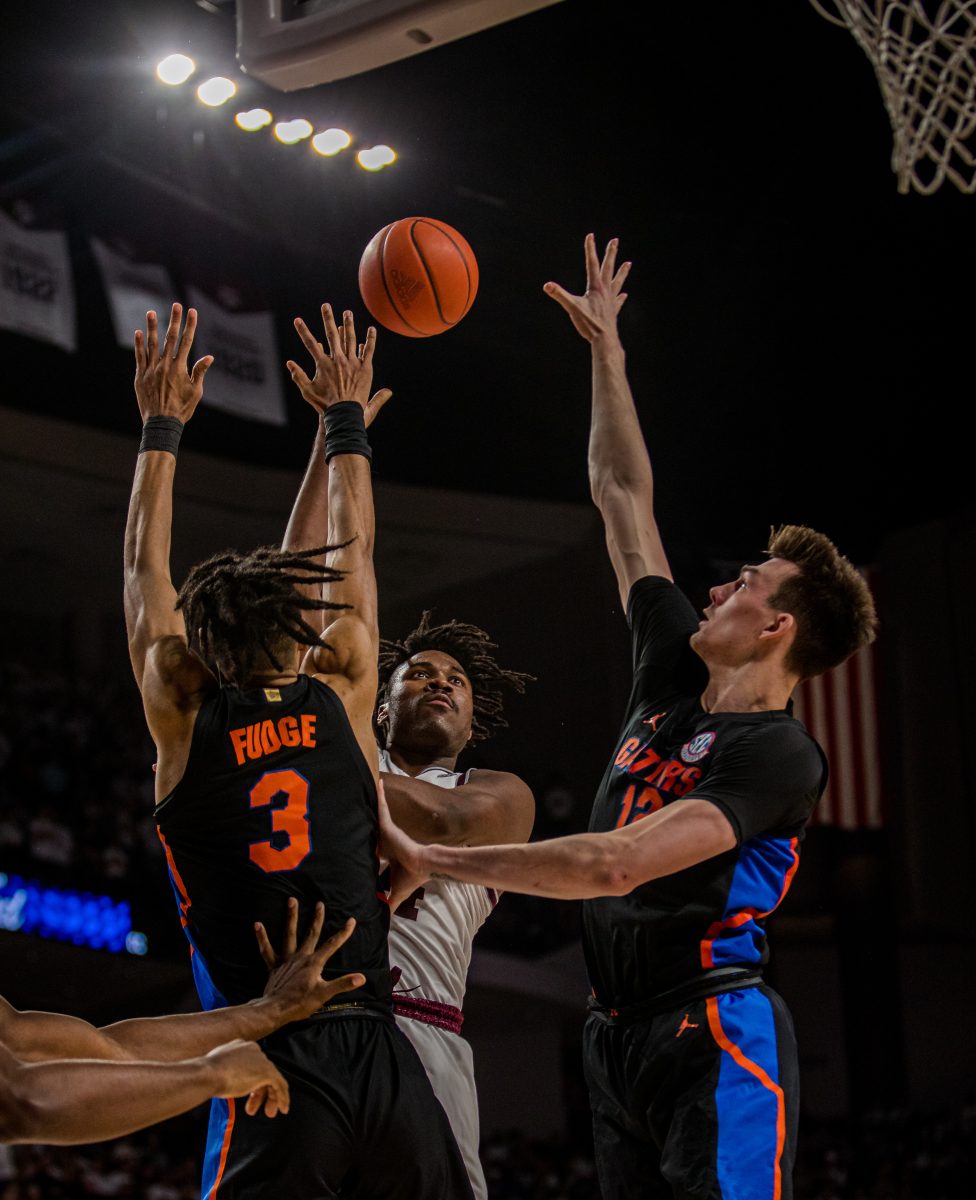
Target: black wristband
x: 345, y: 430
x: 161, y: 433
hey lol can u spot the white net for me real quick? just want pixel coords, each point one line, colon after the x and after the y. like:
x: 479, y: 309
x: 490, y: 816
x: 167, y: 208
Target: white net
x: 924, y: 55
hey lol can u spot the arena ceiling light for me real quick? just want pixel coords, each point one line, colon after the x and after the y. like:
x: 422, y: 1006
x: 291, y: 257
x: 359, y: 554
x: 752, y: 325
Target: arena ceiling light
x: 331, y: 141
x: 175, y: 69
x: 376, y: 158
x: 216, y: 91
x: 253, y: 119
x: 291, y: 132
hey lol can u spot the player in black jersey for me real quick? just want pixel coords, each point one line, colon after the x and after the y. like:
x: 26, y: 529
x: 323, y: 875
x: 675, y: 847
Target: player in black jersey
x: 266, y: 790
x: 695, y: 830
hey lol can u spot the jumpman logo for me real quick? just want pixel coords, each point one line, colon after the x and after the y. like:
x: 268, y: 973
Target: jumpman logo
x: 652, y: 721
x: 685, y: 1024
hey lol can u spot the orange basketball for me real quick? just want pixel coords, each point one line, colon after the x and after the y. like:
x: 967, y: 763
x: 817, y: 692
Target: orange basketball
x: 418, y: 277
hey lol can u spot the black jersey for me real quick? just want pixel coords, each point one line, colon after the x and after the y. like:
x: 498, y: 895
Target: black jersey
x: 277, y: 800
x: 762, y: 769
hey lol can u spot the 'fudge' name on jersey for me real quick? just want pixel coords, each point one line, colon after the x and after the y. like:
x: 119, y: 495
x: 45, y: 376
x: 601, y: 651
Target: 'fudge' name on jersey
x: 761, y: 769
x: 277, y: 800
x: 262, y: 738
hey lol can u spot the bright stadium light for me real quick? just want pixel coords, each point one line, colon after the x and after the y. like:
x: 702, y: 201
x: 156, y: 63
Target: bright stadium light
x: 291, y: 132
x: 331, y: 141
x: 376, y: 158
x: 175, y: 69
x: 216, y: 91
x: 253, y: 119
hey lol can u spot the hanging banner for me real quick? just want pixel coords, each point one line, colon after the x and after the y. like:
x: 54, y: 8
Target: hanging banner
x: 133, y: 289
x: 36, y: 290
x: 245, y: 379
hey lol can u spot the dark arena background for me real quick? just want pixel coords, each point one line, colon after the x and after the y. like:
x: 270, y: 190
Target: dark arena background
x: 799, y: 340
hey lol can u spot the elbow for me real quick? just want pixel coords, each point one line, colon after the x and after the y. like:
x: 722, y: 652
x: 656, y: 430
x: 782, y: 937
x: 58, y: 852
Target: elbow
x: 20, y: 1116
x: 613, y: 873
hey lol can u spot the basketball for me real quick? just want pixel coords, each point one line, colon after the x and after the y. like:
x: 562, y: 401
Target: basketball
x: 418, y: 277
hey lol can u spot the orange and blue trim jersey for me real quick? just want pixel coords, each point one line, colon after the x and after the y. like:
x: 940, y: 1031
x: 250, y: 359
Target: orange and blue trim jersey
x: 762, y: 769
x: 277, y: 800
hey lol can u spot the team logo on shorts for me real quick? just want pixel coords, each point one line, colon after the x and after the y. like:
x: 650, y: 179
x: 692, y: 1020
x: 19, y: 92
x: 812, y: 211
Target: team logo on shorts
x: 697, y: 748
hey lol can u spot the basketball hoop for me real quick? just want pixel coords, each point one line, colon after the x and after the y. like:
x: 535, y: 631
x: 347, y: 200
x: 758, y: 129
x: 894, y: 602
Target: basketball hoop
x: 924, y: 56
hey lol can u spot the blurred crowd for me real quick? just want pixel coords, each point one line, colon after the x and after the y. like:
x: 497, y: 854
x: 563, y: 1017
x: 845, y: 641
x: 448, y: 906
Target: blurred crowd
x: 890, y: 1155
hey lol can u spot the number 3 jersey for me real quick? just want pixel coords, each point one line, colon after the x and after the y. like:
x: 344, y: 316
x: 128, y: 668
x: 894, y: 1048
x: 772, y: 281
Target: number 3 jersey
x: 277, y: 800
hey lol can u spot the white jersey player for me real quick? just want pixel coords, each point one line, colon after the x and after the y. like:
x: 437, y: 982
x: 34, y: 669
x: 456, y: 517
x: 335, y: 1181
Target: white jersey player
x: 434, y: 702
x: 430, y: 952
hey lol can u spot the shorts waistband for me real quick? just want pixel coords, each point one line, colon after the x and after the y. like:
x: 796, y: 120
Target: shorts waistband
x: 351, y: 1008
x: 431, y: 1012
x: 710, y: 983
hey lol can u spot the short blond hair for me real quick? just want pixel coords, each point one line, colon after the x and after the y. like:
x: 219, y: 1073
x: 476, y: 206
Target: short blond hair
x: 830, y: 599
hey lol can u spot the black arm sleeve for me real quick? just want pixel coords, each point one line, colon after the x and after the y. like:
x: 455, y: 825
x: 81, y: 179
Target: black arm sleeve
x: 661, y: 620
x: 767, y: 781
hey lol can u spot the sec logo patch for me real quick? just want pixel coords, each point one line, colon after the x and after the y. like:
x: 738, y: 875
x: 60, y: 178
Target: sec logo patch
x: 697, y: 748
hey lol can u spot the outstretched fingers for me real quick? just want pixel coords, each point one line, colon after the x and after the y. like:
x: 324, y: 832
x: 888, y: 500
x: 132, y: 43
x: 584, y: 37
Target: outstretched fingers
x: 315, y: 929
x: 186, y: 337
x: 200, y: 368
x: 152, y: 336
x: 368, y: 347
x: 563, y: 298
x: 331, y: 330
x: 311, y: 343
x: 348, y: 334
x: 332, y: 944
x: 172, y: 332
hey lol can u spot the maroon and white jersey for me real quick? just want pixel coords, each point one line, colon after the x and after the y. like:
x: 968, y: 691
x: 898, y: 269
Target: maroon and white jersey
x: 432, y: 930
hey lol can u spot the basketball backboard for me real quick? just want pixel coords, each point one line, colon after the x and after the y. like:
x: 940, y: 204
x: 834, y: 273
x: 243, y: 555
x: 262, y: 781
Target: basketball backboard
x: 293, y: 44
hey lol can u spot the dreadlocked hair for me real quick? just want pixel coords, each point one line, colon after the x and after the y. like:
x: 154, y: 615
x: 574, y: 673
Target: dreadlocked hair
x: 238, y: 607
x: 472, y: 648
x: 834, y: 610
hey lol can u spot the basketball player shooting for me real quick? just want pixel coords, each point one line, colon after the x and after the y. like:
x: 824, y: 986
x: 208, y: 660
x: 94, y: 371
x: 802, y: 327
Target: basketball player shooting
x: 440, y: 690
x: 695, y: 830
x: 266, y: 789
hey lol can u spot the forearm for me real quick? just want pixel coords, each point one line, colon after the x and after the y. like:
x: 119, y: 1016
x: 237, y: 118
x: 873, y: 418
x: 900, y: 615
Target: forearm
x: 149, y: 525
x: 426, y: 812
x: 578, y: 867
x: 308, y: 524
x: 85, y: 1101
x: 186, y: 1035
x: 618, y: 458
x: 350, y: 507
x: 149, y: 596
x: 586, y: 865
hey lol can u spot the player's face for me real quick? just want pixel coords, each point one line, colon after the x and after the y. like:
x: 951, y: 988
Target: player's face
x: 730, y: 632
x: 429, y: 704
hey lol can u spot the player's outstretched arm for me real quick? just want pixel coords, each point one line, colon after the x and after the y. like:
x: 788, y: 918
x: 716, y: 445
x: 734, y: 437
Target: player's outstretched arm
x: 308, y: 525
x: 578, y: 867
x: 295, y: 990
x: 621, y: 481
x: 340, y: 388
x: 168, y: 392
x: 494, y: 807
x: 64, y: 1103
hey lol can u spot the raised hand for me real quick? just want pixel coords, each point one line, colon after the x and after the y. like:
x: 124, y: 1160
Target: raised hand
x: 164, y: 386
x: 296, y: 982
x: 344, y: 371
x: 405, y: 856
x: 594, y: 314
x: 244, y: 1070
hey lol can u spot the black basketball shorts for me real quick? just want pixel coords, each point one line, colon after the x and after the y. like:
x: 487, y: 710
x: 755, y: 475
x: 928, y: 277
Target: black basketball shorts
x: 699, y: 1103
x: 364, y: 1122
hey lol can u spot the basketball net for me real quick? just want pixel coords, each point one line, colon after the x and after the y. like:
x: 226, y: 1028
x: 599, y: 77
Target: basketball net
x: 924, y: 56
